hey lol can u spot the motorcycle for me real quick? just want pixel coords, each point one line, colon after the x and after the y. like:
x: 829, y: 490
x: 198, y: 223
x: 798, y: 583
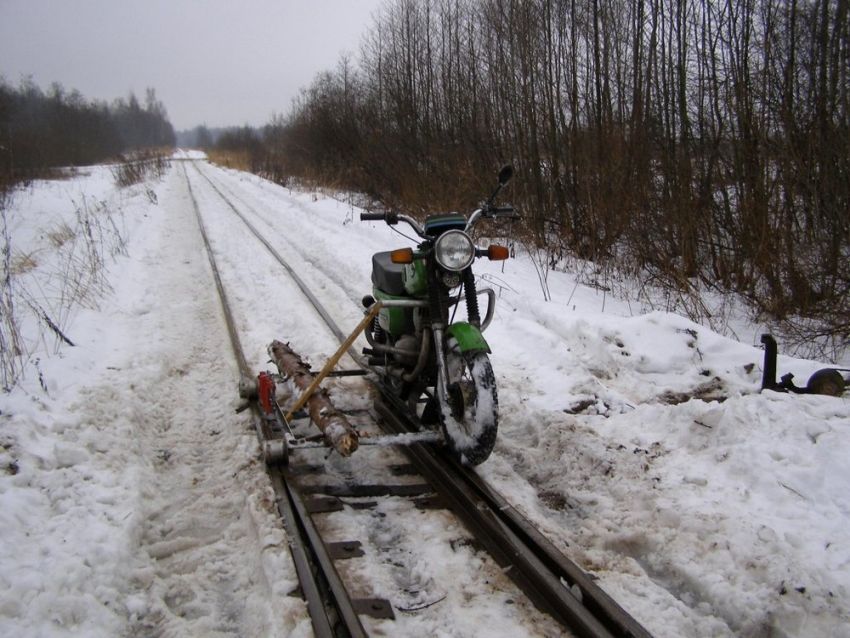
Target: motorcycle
x: 429, y: 364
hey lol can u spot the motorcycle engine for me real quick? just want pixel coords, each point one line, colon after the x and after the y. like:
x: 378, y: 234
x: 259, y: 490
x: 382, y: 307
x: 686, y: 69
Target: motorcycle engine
x: 411, y: 343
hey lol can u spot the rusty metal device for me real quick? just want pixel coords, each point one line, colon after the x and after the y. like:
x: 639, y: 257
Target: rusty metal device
x: 826, y: 381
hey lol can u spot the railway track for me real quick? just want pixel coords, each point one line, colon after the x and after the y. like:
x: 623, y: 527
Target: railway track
x: 553, y: 583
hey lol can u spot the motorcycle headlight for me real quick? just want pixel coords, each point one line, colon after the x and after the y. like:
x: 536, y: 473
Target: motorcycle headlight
x: 454, y: 250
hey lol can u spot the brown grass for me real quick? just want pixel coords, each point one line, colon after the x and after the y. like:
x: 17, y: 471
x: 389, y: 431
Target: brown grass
x: 230, y: 159
x: 139, y: 166
x: 61, y: 235
x: 23, y: 263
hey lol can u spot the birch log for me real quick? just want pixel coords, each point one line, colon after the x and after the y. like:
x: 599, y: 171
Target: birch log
x: 337, y: 430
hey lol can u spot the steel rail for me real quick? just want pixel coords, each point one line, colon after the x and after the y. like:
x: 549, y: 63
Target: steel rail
x: 329, y: 322
x: 553, y: 582
x: 331, y: 610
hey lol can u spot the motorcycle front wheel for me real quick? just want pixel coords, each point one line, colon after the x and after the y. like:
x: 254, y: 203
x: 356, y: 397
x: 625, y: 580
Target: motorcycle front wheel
x: 470, y: 418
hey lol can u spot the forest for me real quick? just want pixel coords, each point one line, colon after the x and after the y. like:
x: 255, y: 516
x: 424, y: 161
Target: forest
x: 41, y: 130
x: 699, y: 145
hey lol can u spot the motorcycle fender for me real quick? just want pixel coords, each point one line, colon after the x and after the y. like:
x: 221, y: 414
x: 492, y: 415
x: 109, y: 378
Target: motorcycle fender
x: 468, y: 337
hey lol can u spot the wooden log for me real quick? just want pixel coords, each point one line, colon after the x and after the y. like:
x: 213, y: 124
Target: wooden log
x: 337, y: 430
x: 331, y: 363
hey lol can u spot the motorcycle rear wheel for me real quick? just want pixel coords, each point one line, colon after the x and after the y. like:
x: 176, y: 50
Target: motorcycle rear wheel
x: 470, y: 420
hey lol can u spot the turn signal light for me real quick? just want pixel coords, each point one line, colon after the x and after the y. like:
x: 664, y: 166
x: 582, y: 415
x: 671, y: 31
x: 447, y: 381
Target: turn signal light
x: 497, y: 253
x: 402, y: 256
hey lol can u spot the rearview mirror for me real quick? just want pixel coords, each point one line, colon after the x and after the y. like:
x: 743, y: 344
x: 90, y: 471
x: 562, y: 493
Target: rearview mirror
x: 505, y: 174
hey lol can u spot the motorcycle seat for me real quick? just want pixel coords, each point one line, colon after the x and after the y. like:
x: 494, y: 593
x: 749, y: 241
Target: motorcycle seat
x: 386, y: 275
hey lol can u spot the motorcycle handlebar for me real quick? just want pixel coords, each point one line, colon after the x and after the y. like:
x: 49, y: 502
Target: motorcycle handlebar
x: 392, y: 219
x: 502, y: 212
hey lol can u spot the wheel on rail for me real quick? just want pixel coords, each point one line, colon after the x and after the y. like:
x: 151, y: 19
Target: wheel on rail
x: 276, y: 452
x: 470, y: 419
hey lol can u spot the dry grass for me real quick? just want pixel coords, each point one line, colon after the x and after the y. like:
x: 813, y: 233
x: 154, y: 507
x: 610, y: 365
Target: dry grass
x: 61, y: 235
x: 238, y: 160
x: 59, y: 173
x: 23, y: 263
x: 76, y: 277
x: 139, y: 167
x: 10, y: 336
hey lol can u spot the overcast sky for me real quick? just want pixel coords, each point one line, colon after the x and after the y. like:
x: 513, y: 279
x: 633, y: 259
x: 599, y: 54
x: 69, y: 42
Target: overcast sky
x: 219, y: 62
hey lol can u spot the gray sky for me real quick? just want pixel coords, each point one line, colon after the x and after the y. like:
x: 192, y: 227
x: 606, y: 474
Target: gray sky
x: 217, y: 62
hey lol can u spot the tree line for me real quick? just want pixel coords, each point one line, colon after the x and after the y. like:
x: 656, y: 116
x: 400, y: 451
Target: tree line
x: 39, y: 129
x: 694, y: 141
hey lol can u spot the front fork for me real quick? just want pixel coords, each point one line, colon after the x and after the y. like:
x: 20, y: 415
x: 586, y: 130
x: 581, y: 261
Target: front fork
x: 469, y: 338
x: 438, y: 299
x: 442, y: 367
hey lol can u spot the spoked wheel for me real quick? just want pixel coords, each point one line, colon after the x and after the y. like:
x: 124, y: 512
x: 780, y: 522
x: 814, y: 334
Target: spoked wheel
x: 471, y: 417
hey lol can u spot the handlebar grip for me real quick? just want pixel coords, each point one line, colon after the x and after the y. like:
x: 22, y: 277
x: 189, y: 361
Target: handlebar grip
x: 372, y: 217
x: 503, y: 210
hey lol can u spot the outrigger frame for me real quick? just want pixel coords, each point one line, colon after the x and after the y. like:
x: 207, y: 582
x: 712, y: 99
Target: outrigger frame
x: 276, y: 450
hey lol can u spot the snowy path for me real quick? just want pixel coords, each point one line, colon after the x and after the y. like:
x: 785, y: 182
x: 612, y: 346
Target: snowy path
x: 207, y: 504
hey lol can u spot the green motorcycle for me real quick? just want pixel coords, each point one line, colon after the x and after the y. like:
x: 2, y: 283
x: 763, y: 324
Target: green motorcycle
x: 438, y: 368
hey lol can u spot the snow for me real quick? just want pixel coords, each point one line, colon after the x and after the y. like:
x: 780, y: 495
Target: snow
x: 137, y: 504
x: 133, y: 500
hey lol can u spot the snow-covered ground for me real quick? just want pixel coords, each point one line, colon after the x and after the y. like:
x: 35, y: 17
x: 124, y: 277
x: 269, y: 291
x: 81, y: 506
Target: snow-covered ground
x: 132, y: 501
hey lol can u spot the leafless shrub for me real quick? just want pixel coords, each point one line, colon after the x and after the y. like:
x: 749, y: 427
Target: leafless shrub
x: 814, y: 339
x: 540, y: 257
x: 10, y: 336
x: 128, y: 173
x: 78, y: 279
x: 696, y: 146
x: 82, y: 273
x: 144, y: 166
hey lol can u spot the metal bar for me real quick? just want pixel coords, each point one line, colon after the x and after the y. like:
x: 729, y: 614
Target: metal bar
x: 768, y: 377
x: 281, y: 418
x: 408, y: 438
x: 403, y: 303
x: 403, y: 439
x: 491, y: 305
